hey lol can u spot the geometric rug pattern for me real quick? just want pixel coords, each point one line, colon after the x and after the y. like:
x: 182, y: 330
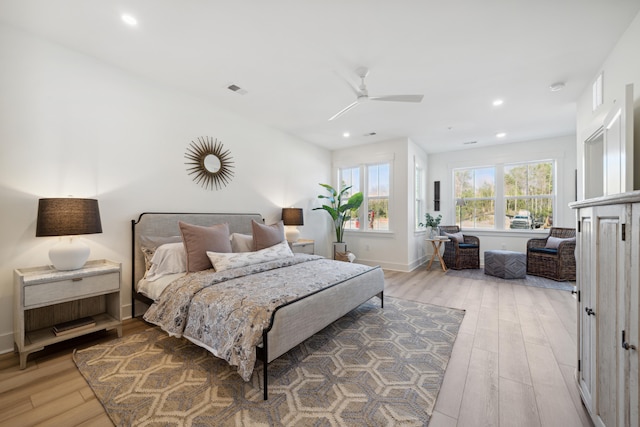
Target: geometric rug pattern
x: 529, y: 280
x: 374, y: 366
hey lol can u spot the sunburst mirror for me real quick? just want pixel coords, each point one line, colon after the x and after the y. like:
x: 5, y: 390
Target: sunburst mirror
x: 209, y: 163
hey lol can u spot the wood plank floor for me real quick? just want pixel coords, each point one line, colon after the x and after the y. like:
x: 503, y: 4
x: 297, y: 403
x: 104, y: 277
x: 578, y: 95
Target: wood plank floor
x: 513, y: 363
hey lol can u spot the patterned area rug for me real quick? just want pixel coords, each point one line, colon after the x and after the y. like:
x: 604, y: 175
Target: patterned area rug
x: 538, y: 282
x: 372, y: 367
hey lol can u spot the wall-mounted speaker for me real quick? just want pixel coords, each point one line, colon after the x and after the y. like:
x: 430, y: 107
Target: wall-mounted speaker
x: 436, y: 195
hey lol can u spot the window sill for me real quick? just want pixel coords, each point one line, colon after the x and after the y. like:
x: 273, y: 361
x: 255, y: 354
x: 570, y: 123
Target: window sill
x: 514, y: 233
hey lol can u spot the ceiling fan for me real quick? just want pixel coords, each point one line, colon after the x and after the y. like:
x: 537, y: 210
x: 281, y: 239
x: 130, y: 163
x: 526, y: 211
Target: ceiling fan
x: 363, y: 95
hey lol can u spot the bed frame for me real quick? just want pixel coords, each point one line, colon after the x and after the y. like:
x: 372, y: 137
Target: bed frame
x: 291, y: 323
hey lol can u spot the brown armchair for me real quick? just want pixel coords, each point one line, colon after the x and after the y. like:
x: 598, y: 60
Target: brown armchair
x: 460, y: 255
x: 553, y: 259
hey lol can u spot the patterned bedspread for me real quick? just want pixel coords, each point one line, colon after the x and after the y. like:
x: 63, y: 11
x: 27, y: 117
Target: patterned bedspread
x: 226, y: 312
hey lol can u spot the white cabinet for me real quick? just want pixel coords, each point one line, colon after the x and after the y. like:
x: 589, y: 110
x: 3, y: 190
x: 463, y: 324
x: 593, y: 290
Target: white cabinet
x: 608, y: 259
x: 45, y: 297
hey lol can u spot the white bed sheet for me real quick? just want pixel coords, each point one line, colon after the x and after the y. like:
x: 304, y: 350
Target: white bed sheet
x: 154, y: 288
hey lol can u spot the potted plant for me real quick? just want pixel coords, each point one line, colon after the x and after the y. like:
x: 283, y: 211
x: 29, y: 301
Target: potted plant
x: 431, y: 223
x: 340, y: 209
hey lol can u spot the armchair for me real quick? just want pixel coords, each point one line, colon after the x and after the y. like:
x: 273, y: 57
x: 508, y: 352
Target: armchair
x: 460, y: 255
x: 554, y: 256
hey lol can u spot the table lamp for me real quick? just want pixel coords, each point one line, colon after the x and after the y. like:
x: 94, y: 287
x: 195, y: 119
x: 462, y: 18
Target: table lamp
x: 292, y: 217
x: 68, y: 217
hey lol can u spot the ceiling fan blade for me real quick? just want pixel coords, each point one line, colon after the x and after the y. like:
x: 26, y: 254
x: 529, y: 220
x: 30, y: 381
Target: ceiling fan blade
x: 344, y: 110
x: 398, y: 98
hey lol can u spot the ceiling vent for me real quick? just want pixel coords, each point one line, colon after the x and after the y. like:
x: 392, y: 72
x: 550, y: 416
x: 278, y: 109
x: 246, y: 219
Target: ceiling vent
x: 370, y: 134
x: 236, y: 89
x: 470, y: 142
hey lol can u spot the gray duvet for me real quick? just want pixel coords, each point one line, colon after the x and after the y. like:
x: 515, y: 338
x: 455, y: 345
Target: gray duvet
x: 226, y: 312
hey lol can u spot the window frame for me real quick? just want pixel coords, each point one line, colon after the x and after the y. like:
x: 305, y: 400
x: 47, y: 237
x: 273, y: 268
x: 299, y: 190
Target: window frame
x: 500, y: 198
x: 363, y: 185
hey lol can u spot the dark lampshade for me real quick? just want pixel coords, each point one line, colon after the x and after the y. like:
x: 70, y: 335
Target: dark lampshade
x: 292, y: 216
x: 68, y: 217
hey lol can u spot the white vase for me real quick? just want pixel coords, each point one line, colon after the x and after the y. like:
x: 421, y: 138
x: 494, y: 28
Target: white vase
x: 432, y: 232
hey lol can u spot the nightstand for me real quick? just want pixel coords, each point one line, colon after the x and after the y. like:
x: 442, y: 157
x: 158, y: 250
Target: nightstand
x: 303, y: 246
x: 45, y: 297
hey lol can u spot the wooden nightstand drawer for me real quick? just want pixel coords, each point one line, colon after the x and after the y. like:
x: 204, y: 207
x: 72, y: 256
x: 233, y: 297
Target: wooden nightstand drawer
x: 79, y: 287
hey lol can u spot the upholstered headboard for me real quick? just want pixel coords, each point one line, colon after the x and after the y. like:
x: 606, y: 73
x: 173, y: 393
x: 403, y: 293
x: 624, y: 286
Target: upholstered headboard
x: 165, y: 224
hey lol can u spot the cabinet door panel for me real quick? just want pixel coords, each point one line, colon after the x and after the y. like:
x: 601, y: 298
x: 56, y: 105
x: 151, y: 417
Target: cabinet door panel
x: 609, y: 258
x: 634, y: 318
x: 586, y: 323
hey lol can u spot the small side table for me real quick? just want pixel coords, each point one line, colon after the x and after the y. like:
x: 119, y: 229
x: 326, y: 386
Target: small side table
x: 45, y: 297
x: 437, y: 244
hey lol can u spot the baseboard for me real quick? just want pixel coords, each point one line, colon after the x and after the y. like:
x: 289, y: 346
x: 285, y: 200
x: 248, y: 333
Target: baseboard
x: 405, y: 268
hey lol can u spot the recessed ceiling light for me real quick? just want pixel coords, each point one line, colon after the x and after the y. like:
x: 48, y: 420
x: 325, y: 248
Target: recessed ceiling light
x: 501, y: 134
x: 556, y: 87
x: 130, y: 20
x: 498, y: 102
x: 346, y: 134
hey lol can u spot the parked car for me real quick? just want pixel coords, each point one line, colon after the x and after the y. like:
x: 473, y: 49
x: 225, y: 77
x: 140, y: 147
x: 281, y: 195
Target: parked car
x: 522, y: 222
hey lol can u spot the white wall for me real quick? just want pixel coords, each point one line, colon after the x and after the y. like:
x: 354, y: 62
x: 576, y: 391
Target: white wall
x: 70, y: 125
x: 561, y: 149
x: 619, y: 69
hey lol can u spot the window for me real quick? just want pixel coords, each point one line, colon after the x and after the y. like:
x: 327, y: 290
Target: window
x: 350, y: 177
x: 525, y: 196
x: 529, y: 195
x: 373, y: 215
x: 475, y: 197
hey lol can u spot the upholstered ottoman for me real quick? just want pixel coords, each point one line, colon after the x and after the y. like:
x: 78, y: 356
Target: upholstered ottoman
x: 505, y: 264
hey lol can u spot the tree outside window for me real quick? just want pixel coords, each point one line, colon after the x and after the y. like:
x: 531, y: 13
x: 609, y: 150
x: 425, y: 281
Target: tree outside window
x: 475, y: 193
x: 378, y: 197
x: 529, y: 195
x: 375, y: 179
x: 351, y: 177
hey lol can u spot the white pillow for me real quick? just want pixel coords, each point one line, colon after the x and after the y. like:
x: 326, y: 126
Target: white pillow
x: 554, y: 242
x: 224, y: 261
x: 241, y: 242
x: 167, y: 259
x: 455, y: 236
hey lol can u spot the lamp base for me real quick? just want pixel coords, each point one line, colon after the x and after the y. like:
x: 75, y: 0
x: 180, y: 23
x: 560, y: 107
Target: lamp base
x: 69, y: 255
x: 292, y: 234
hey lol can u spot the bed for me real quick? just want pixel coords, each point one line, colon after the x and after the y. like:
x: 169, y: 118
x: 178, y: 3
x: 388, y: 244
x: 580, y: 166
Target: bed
x: 256, y: 304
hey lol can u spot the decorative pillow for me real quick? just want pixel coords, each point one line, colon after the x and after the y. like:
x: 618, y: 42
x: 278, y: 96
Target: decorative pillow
x: 455, y: 236
x: 554, y: 242
x: 148, y: 245
x: 198, y: 240
x: 167, y: 259
x: 241, y: 242
x: 265, y: 236
x: 225, y: 261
